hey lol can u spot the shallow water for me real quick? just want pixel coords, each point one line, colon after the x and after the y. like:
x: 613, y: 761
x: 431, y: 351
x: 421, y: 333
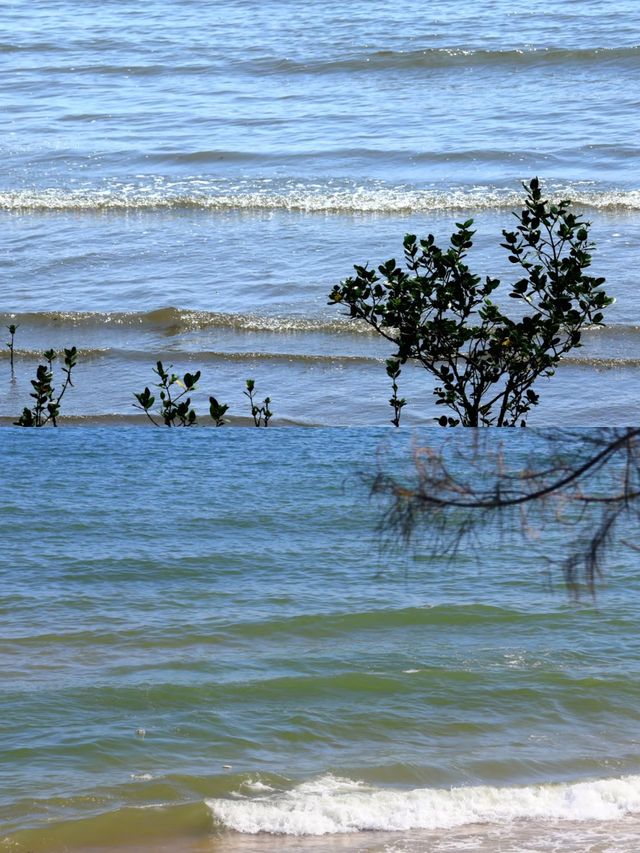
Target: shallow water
x: 238, y: 158
x: 187, y: 181
x: 225, y: 591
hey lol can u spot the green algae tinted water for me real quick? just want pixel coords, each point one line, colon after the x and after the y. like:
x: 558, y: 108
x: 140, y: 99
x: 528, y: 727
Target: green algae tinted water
x: 203, y: 646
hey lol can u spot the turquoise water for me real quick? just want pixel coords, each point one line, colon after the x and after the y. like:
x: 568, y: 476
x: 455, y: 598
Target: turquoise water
x: 197, y: 176
x: 226, y: 592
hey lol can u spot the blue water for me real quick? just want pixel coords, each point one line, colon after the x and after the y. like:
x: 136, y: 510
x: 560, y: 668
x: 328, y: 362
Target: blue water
x: 237, y: 158
x: 187, y: 181
x: 363, y: 91
x: 226, y: 591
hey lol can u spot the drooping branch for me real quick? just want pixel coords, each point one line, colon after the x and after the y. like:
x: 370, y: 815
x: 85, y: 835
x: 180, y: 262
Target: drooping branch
x: 587, y: 482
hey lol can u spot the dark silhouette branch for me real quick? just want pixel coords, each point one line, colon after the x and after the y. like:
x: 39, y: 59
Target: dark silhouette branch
x: 587, y: 482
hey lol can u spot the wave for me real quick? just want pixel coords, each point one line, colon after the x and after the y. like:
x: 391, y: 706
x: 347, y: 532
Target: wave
x: 444, y: 57
x: 173, y: 321
x: 34, y: 47
x: 331, y: 805
x: 328, y: 805
x: 312, y: 625
x: 384, y: 155
x: 601, y: 362
x: 176, y: 357
x: 306, y: 200
x: 133, y: 70
x: 452, y: 57
x: 335, y: 624
x: 429, y: 58
x: 207, y: 356
x: 614, y: 331
x: 83, y: 353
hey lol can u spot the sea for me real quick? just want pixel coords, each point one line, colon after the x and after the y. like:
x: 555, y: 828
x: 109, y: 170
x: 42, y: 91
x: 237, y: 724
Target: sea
x: 186, y: 181
x: 207, y: 642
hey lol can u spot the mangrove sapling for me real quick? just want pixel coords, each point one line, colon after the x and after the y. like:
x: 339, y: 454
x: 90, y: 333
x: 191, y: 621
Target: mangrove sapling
x: 46, y: 406
x: 441, y: 315
x: 396, y: 403
x: 261, y: 414
x: 217, y: 411
x: 175, y: 408
x: 12, y: 331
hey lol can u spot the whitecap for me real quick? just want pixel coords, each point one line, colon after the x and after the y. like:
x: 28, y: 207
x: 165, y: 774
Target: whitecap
x: 330, y: 805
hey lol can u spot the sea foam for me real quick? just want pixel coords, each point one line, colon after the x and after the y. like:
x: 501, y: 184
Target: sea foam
x: 335, y: 805
x: 327, y: 200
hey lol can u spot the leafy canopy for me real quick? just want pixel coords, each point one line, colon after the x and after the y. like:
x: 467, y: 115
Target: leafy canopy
x: 440, y: 314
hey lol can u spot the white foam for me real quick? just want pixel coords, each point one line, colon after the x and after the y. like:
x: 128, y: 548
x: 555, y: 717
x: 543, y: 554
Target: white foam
x: 333, y: 805
x: 256, y: 785
x: 306, y: 200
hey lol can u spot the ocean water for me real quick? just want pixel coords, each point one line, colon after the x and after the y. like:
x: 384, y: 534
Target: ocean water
x: 189, y: 180
x: 203, y: 645
x: 298, y: 686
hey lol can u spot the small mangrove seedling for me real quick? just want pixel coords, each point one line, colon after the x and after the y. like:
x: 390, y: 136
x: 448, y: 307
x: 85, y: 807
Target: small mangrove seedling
x: 217, y: 411
x: 261, y: 414
x: 46, y: 406
x: 396, y: 403
x: 12, y: 331
x: 175, y: 409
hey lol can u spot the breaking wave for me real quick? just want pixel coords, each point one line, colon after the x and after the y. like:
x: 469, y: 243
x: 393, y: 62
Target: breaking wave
x: 333, y: 805
x: 305, y: 200
x: 173, y: 321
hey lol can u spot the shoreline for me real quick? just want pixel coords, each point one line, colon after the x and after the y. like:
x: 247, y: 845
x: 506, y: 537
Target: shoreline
x: 192, y: 827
